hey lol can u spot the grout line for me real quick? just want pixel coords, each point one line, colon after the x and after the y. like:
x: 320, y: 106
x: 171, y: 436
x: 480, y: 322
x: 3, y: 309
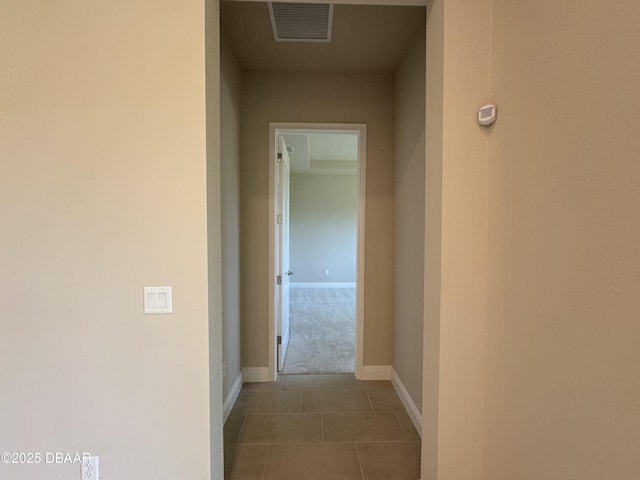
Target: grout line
x: 266, y: 459
x: 370, y: 401
x: 404, y: 431
x: 395, y: 414
x: 359, y: 460
x: 244, y: 421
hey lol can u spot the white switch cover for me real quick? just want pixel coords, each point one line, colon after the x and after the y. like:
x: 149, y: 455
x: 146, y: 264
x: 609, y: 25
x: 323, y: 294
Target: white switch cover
x: 158, y: 300
x: 91, y: 468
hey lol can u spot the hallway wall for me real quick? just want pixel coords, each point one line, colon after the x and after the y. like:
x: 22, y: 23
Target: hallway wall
x: 409, y: 186
x: 457, y: 155
x: 563, y: 361
x: 229, y: 197
x: 297, y: 97
x: 103, y: 192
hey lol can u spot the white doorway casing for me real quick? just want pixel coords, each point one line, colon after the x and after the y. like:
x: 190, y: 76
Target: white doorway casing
x: 279, y: 128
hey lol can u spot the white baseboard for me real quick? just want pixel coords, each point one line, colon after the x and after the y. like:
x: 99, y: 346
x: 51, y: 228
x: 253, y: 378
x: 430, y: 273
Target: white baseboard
x: 322, y: 285
x: 230, y: 401
x: 407, y: 401
x: 376, y: 372
x: 256, y: 374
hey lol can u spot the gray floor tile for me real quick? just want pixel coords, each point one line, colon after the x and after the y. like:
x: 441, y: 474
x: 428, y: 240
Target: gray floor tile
x: 313, y: 462
x: 390, y: 461
x: 336, y: 401
x: 267, y: 402
x: 263, y: 386
x: 247, y: 463
x: 232, y: 428
x: 229, y: 456
x: 361, y: 427
x: 350, y: 383
x: 339, y: 428
x: 410, y: 432
x: 281, y: 428
x: 385, y: 400
x: 327, y: 381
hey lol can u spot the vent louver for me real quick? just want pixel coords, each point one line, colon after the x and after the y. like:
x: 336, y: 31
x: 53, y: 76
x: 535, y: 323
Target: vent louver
x: 301, y: 22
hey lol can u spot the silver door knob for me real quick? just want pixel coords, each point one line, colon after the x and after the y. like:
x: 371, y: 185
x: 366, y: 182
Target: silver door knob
x: 289, y: 273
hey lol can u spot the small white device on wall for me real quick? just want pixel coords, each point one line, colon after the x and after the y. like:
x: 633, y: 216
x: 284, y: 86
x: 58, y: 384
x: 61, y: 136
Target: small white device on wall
x: 487, y: 115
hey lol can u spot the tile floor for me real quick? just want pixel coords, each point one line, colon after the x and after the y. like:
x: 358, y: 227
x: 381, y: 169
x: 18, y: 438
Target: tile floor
x: 320, y: 427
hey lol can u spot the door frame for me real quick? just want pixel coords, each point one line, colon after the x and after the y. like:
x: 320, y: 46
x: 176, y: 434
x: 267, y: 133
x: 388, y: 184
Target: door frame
x: 280, y: 128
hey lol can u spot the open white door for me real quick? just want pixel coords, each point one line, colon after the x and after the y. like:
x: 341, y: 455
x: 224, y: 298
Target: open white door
x: 283, y: 271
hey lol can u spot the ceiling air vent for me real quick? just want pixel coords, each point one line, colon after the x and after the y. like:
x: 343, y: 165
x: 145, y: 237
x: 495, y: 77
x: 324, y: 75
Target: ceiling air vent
x: 301, y: 22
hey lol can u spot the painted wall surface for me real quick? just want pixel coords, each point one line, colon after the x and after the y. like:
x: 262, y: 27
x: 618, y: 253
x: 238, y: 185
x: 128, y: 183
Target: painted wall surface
x: 230, y: 90
x: 434, y: 78
x: 330, y: 98
x: 214, y: 234
x: 563, y: 386
x: 458, y: 82
x: 324, y: 214
x: 103, y: 192
x: 409, y: 176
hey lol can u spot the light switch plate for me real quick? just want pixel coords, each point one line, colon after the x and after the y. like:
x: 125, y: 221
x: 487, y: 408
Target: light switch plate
x: 158, y: 300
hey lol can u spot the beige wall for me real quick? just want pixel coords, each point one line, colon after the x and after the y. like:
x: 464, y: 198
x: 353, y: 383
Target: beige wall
x: 432, y: 240
x: 331, y: 98
x: 102, y: 188
x: 324, y: 217
x: 458, y: 82
x: 409, y: 183
x: 560, y: 231
x: 563, y: 361
x: 215, y: 175
x: 229, y: 195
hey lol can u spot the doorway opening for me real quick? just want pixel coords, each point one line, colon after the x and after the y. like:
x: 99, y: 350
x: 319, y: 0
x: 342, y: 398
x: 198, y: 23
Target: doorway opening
x: 317, y: 191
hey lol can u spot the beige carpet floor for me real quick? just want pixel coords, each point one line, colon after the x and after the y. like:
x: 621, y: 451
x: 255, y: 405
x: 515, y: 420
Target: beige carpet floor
x: 322, y: 331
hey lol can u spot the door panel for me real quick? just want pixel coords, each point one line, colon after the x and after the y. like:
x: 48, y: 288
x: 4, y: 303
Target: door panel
x: 282, y: 251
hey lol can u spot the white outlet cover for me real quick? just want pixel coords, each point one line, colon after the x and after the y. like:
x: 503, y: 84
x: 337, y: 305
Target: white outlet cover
x: 158, y: 300
x: 91, y: 468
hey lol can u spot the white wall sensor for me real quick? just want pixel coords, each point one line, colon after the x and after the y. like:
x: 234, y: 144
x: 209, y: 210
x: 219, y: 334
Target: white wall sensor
x: 487, y: 114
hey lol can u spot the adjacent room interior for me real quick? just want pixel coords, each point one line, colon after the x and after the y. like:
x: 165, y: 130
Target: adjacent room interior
x: 323, y: 208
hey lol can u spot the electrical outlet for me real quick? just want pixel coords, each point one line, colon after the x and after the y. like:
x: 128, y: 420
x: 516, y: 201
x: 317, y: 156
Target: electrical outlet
x: 91, y: 468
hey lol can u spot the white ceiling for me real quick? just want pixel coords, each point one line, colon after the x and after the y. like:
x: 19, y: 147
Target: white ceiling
x: 322, y: 153
x: 365, y: 38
